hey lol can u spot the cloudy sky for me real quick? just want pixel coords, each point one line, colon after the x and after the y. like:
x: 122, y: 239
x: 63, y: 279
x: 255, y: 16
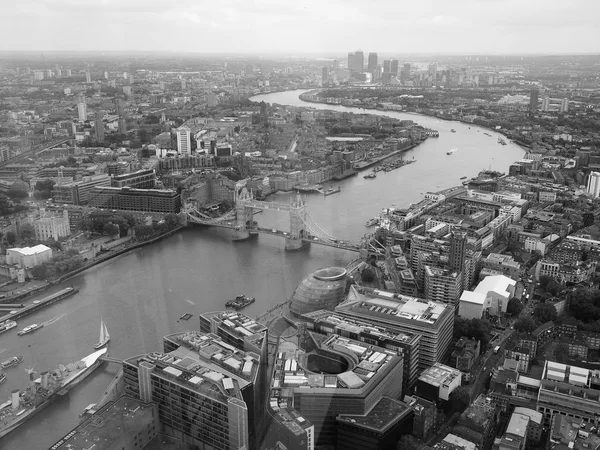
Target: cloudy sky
x: 310, y: 26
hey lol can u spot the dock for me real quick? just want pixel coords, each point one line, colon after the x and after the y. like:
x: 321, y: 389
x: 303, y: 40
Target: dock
x: 46, y: 301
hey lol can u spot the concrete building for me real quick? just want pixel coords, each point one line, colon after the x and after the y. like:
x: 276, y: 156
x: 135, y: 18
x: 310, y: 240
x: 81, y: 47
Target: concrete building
x: 204, y: 389
x: 432, y: 321
x: 28, y: 257
x: 372, y: 62
x: 515, y: 436
x: 465, y: 353
x: 593, y: 184
x: 438, y: 382
x: 533, y: 100
x: 490, y: 297
x: 52, y: 227
x: 458, y: 248
x: 78, y: 192
x: 81, y: 111
x: 406, y: 344
x: 129, y: 199
x: 425, y: 413
x: 141, y: 179
x: 184, y: 143
x: 99, y: 125
x: 126, y: 424
x: 443, y: 285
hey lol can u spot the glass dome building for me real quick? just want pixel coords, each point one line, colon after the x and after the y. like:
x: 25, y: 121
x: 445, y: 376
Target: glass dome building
x: 322, y: 289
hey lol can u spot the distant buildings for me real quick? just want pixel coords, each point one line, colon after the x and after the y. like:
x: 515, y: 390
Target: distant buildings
x: 372, y: 62
x: 593, y: 184
x: 534, y: 95
x: 356, y: 61
x: 78, y: 192
x: 82, y: 108
x: 184, y: 144
x: 99, y: 125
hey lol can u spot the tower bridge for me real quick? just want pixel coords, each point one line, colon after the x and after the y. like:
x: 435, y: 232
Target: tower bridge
x: 303, y: 229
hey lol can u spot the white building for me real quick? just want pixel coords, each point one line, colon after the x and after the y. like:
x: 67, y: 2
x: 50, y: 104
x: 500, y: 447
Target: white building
x: 28, y: 257
x: 491, y: 296
x: 593, y: 185
x: 52, y: 227
x: 82, y: 111
x: 184, y: 144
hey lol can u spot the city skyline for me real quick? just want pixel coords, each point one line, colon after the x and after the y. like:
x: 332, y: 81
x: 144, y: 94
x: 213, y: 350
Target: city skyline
x: 267, y: 26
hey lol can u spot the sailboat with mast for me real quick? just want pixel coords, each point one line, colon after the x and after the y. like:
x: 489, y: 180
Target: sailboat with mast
x: 104, y: 336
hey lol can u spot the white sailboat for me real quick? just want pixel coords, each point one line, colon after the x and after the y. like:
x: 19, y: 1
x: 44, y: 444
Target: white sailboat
x: 104, y: 336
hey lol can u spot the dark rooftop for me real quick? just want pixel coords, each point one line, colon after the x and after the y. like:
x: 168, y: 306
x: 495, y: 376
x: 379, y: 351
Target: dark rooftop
x: 382, y: 416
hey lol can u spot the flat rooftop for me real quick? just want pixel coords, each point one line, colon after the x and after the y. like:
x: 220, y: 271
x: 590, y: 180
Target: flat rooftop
x: 126, y: 416
x: 438, y: 373
x: 381, y: 417
x: 239, y: 322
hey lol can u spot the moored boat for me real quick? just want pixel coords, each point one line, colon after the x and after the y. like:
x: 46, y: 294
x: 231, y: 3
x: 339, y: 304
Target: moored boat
x: 7, y: 325
x: 30, y: 329
x: 372, y: 221
x: 2, y: 378
x: 241, y: 301
x: 104, y: 336
x: 14, y: 361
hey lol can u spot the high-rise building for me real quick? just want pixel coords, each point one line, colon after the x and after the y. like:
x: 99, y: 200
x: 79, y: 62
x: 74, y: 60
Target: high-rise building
x: 406, y: 71
x: 88, y: 77
x: 443, y: 286
x: 546, y: 104
x: 183, y: 84
x: 350, y: 61
x: 372, y: 64
x: 432, y: 71
x: 122, y: 126
x: 69, y: 72
x: 81, y: 107
x: 564, y: 105
x: 533, y: 100
x: 105, y: 75
x: 387, y: 66
x: 119, y: 107
x: 99, y: 125
x: 336, y: 64
x: 325, y: 74
x: 593, y: 184
x: 184, y: 145
x: 128, y: 91
x: 356, y: 61
x: 458, y: 248
x: 394, y: 67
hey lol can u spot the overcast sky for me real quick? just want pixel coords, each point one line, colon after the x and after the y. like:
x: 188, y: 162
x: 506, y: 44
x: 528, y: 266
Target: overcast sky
x: 312, y: 26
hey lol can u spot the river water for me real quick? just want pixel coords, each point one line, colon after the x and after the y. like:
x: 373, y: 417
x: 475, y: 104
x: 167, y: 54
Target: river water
x: 141, y: 295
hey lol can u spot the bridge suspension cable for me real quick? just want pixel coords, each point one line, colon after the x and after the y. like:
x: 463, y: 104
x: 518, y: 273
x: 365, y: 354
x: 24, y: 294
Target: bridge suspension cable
x: 317, y: 230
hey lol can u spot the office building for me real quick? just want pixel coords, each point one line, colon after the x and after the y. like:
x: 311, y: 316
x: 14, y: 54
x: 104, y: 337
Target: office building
x: 534, y: 95
x: 378, y: 429
x: 515, y: 436
x: 478, y: 422
x: 356, y: 62
x: 88, y: 77
x: 593, y: 184
x: 405, y: 72
x: 394, y: 66
x: 407, y: 344
x: 78, y: 192
x: 129, y: 199
x: 322, y: 289
x: 432, y: 321
x: 387, y: 66
x: 119, y: 107
x: 372, y: 62
x: 99, y: 125
x: 458, y: 248
x: 69, y: 72
x: 564, y: 105
x: 438, y: 382
x: 141, y: 179
x: 82, y: 110
x: 52, y: 227
x: 443, y: 285
x: 334, y: 376
x: 568, y: 433
x: 184, y: 145
x: 204, y: 389
x: 546, y: 104
x: 425, y: 413
x: 570, y: 391
x: 122, y: 126
x: 127, y: 424
x: 325, y: 74
x: 128, y: 91
x: 502, y: 264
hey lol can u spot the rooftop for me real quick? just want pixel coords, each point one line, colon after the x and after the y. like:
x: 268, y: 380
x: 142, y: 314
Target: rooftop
x: 381, y: 417
x: 518, y: 425
x: 104, y: 429
x: 473, y: 297
x: 437, y: 374
x: 495, y: 283
x: 29, y: 251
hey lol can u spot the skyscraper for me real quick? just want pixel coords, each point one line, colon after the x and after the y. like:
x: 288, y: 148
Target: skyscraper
x: 350, y: 61
x: 394, y: 67
x: 325, y: 74
x: 372, y: 64
x: 533, y: 100
x: 81, y: 107
x: 88, y: 77
x: 184, y: 145
x: 458, y: 248
x: 406, y: 71
x: 99, y: 125
x: 387, y: 66
x: 119, y: 106
x: 122, y: 126
x: 546, y: 103
x: 564, y: 105
x: 593, y: 184
x: 359, y: 61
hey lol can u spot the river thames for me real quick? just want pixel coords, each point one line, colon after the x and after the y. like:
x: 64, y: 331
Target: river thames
x: 141, y: 295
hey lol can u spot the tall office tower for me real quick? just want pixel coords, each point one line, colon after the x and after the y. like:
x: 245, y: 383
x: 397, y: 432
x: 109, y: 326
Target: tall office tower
x: 406, y: 71
x: 336, y: 64
x: 99, y: 125
x: 105, y: 75
x: 125, y: 75
x: 432, y: 70
x: 69, y: 72
x: 81, y: 107
x: 387, y: 66
x: 359, y: 61
x: 48, y: 73
x: 394, y: 67
x: 119, y: 106
x: 372, y: 64
x: 564, y: 105
x: 350, y: 61
x: 325, y: 74
x: 88, y: 77
x: 593, y: 184
x: 458, y: 249
x: 533, y: 100
x: 122, y: 126
x: 184, y: 144
x: 546, y: 103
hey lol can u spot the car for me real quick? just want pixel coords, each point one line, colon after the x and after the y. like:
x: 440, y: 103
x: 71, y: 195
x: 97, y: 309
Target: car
x: 274, y: 230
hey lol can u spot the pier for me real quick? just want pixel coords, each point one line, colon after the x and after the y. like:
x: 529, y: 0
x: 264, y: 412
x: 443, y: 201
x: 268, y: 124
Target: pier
x: 47, y: 301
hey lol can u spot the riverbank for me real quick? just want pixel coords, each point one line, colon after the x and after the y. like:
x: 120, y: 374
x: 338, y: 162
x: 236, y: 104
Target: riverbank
x: 303, y: 97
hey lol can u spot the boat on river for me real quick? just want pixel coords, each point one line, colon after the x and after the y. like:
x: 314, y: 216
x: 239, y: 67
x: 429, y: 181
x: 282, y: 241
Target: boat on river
x: 453, y: 130
x: 30, y: 329
x: 449, y: 152
x: 372, y: 221
x: 22, y: 406
x: 331, y: 191
x: 370, y: 175
x: 104, y: 336
x: 14, y: 361
x: 241, y: 301
x: 7, y: 325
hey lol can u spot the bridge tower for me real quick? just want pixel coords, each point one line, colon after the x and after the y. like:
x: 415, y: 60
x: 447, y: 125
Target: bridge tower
x: 243, y: 216
x: 297, y: 224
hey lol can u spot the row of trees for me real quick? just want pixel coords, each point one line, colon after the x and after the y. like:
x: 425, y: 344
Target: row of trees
x: 60, y: 264
x: 544, y: 312
x: 477, y: 329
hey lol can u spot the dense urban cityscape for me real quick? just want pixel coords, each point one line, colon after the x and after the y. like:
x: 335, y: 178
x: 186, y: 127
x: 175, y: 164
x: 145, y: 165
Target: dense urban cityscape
x: 423, y: 236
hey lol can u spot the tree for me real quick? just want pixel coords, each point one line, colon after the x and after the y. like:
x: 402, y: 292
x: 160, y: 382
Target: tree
x: 171, y: 221
x: 544, y: 280
x: 477, y: 329
x: 525, y: 325
x: 110, y: 229
x: 545, y: 312
x: 71, y: 161
x: 588, y: 219
x: 408, y: 442
x: 143, y: 231
x: 514, y: 307
x: 17, y: 193
x: 460, y: 398
x: 367, y: 275
x: 552, y: 287
x: 27, y: 232
x: 11, y: 238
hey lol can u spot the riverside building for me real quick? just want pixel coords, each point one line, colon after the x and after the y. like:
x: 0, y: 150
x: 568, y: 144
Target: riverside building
x: 128, y: 199
x: 432, y: 321
x: 204, y: 389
